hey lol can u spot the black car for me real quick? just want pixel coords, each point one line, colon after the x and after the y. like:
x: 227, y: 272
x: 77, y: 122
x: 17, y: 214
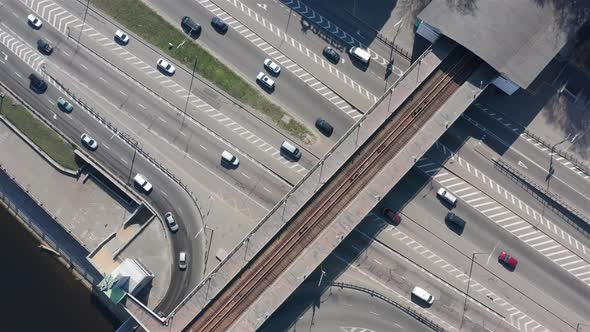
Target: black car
x: 44, y: 46
x: 190, y: 26
x: 332, y: 55
x: 37, y: 83
x: 455, y: 220
x: 219, y: 25
x: 324, y: 127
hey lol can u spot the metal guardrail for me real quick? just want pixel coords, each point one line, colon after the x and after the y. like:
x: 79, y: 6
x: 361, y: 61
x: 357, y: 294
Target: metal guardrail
x: 415, y: 314
x: 129, y: 140
x: 284, y: 200
x: 557, y: 204
x: 13, y: 207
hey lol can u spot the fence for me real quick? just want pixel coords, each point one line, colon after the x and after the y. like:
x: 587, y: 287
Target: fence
x: 284, y: 200
x: 13, y: 207
x: 580, y: 164
x: 571, y: 215
x: 415, y: 314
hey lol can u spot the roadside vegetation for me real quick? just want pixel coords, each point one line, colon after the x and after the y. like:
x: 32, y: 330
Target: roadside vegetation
x: 143, y: 21
x: 44, y: 137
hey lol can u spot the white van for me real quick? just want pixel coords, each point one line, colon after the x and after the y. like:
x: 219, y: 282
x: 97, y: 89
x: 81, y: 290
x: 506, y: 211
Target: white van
x: 290, y: 150
x: 363, y: 55
x: 422, y: 295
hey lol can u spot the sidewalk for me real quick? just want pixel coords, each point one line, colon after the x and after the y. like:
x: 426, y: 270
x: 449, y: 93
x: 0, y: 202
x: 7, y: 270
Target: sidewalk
x: 76, y: 214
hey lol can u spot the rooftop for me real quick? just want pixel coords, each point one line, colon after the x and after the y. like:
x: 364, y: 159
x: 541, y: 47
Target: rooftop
x: 518, y: 38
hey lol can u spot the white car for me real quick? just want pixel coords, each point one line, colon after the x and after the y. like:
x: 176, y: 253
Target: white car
x: 89, y: 141
x: 229, y: 159
x: 34, y: 21
x: 272, y: 66
x: 422, y: 295
x: 142, y: 182
x: 122, y: 37
x: 447, y: 196
x: 182, y: 264
x: 267, y: 81
x: 171, y: 222
x: 166, y: 66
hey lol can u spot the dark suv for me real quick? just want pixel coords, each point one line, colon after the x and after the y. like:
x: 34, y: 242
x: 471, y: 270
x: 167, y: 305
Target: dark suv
x: 455, y: 220
x: 37, y: 83
x: 44, y: 46
x: 219, y: 25
x: 190, y: 26
x: 332, y: 55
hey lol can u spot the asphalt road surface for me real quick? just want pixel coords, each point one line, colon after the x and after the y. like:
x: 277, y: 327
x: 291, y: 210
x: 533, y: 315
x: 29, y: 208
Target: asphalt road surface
x: 312, y: 308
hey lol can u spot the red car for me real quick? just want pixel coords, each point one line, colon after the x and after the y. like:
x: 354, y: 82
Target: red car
x: 507, y: 259
x: 393, y: 216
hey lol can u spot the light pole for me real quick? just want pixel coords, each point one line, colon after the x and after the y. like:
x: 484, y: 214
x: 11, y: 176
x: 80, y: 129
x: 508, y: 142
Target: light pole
x: 321, y: 276
x: 132, y: 161
x: 189, y: 93
x: 83, y: 23
x: 1, y: 100
x: 551, y: 169
x: 468, y: 284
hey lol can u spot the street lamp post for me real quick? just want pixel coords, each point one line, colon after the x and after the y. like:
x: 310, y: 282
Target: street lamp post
x: 189, y: 93
x: 132, y: 161
x: 468, y: 284
x: 1, y: 100
x: 83, y: 23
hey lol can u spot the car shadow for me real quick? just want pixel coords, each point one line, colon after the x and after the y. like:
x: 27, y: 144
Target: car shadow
x: 506, y: 266
x: 163, y: 72
x: 268, y: 90
x: 454, y: 228
x: 357, y: 63
x: 417, y: 301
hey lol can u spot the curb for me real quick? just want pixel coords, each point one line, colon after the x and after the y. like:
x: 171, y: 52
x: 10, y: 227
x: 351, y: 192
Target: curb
x: 34, y: 146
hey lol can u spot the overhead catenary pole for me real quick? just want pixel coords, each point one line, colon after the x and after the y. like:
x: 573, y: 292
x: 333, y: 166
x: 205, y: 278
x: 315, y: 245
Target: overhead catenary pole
x: 83, y: 23
x: 468, y: 284
x: 189, y: 93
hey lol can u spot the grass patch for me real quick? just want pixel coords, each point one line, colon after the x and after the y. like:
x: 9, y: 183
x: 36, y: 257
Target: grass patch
x: 44, y: 137
x: 143, y: 21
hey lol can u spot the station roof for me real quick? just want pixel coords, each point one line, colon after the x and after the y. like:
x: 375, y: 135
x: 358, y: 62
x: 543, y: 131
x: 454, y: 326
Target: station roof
x: 518, y: 38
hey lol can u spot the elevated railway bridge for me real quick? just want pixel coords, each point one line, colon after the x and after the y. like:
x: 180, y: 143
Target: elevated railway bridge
x: 405, y: 123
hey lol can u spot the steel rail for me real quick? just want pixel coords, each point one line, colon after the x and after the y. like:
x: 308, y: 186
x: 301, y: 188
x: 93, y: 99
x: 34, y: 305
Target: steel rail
x: 240, y: 296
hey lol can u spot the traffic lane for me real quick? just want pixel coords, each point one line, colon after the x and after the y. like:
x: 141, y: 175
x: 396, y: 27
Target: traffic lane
x: 479, y: 156
x: 546, y: 284
x: 535, y: 162
x: 306, y: 59
x: 402, y: 275
x: 148, y: 119
x: 338, y: 309
x: 316, y: 38
x: 148, y: 109
x: 224, y: 118
x: 247, y: 60
x: 74, y: 125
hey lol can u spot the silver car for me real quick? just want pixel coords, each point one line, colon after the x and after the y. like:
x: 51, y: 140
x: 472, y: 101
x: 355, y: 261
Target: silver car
x: 89, y: 142
x: 272, y: 66
x: 267, y: 81
x: 171, y: 222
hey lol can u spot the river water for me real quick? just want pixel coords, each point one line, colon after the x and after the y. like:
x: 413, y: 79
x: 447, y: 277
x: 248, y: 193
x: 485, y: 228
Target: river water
x: 37, y: 292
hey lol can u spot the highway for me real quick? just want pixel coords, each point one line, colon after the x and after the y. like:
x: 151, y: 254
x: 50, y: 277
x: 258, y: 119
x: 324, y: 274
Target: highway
x: 301, y: 41
x: 245, y: 58
x: 173, y: 199
x: 302, y: 103
x: 82, y: 71
x: 314, y: 308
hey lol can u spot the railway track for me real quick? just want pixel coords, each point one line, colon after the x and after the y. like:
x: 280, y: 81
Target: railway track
x: 336, y: 194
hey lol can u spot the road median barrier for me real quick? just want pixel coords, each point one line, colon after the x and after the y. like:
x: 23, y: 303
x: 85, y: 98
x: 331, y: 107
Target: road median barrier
x: 154, y: 29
